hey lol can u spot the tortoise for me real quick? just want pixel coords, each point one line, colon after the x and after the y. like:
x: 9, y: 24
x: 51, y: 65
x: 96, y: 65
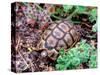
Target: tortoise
x: 59, y: 34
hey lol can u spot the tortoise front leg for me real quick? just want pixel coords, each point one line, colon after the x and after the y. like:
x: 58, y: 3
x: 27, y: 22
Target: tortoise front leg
x: 52, y: 54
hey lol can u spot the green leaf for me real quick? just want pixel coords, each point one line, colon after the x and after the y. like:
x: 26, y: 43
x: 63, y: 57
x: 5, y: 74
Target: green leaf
x: 93, y: 61
x: 59, y: 11
x: 94, y: 28
x: 62, y: 52
x: 93, y: 15
x: 93, y: 12
x: 60, y: 67
x: 60, y: 59
x: 67, y: 64
x: 75, y: 61
x: 81, y: 9
x: 67, y: 7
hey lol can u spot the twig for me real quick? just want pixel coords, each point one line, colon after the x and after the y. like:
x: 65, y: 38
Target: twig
x: 70, y: 16
x: 38, y: 6
x: 23, y: 59
x: 56, y: 17
x: 18, y: 42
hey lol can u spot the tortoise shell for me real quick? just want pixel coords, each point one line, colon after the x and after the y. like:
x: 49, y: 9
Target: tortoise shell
x: 61, y: 34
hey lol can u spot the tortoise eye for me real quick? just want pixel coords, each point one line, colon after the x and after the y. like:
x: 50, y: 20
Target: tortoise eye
x: 44, y: 53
